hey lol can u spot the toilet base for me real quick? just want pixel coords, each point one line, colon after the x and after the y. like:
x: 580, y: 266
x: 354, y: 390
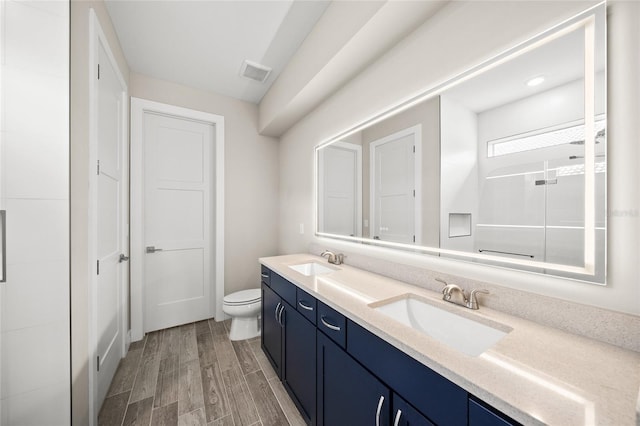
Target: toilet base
x: 243, y: 328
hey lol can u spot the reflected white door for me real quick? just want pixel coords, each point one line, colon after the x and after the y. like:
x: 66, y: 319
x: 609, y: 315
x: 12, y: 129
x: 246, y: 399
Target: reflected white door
x: 393, y: 186
x: 177, y: 220
x: 340, y: 184
x: 111, y: 220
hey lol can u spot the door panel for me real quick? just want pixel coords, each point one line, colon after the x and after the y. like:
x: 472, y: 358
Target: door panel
x: 110, y: 183
x: 177, y: 224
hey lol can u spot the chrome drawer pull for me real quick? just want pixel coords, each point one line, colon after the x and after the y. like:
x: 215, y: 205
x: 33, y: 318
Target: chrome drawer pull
x: 398, y: 415
x: 276, y: 312
x: 264, y: 275
x: 303, y: 306
x: 331, y: 326
x: 380, y: 402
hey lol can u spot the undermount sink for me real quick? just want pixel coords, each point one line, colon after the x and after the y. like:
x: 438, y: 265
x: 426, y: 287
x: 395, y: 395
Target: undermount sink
x: 459, y: 332
x: 311, y: 268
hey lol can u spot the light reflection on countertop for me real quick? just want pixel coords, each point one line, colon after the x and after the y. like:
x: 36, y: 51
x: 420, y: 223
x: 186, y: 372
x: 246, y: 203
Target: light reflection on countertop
x: 535, y: 374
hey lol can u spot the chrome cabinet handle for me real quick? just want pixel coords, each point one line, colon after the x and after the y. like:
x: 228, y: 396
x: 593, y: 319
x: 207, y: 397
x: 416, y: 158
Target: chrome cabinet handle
x: 280, y: 316
x: 397, y: 420
x: 380, y: 402
x: 331, y: 326
x: 152, y: 249
x: 303, y: 306
x: 276, y: 312
x: 3, y: 242
x: 264, y: 275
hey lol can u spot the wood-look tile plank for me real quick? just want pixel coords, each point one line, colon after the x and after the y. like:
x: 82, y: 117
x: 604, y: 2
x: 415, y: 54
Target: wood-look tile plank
x: 227, y: 325
x: 263, y: 362
x: 190, y: 390
x: 167, y: 385
x: 170, y: 342
x: 269, y: 409
x: 217, y: 327
x: 188, y: 344
x: 113, y: 409
x: 224, y: 352
x: 146, y: 379
x: 202, y: 327
x: 225, y: 421
x: 247, y: 360
x: 139, y: 413
x: 138, y: 345
x: 194, y: 418
x: 206, y: 350
x: 152, y: 345
x: 216, y: 403
x: 165, y: 416
x: 287, y: 405
x: 126, y: 373
x: 243, y: 409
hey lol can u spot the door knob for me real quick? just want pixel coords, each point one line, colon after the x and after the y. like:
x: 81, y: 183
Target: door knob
x: 153, y: 249
x: 123, y: 258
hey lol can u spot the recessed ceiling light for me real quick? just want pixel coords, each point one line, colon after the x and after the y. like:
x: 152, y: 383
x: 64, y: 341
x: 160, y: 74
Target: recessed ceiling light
x: 535, y: 81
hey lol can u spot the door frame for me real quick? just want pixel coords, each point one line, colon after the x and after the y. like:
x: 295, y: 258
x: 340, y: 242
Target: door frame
x: 416, y: 131
x: 97, y: 37
x: 358, y: 195
x: 138, y: 108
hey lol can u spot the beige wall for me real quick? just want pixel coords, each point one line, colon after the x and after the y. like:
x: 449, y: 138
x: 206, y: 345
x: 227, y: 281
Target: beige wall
x: 460, y: 35
x: 80, y: 191
x: 251, y: 176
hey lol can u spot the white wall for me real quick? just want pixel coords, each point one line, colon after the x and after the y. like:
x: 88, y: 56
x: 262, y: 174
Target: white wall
x: 251, y: 176
x: 34, y: 158
x: 459, y: 36
x: 459, y: 170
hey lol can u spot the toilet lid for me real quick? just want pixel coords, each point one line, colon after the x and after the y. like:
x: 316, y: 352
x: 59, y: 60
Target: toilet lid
x: 243, y: 297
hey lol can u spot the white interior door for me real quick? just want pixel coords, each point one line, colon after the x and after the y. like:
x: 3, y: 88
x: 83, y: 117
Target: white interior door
x: 341, y: 188
x: 393, y: 187
x: 177, y: 220
x: 111, y: 220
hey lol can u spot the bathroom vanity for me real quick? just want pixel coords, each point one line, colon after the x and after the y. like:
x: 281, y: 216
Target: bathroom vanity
x: 350, y: 349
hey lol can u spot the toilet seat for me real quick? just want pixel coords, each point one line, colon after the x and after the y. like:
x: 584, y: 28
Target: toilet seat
x: 243, y: 297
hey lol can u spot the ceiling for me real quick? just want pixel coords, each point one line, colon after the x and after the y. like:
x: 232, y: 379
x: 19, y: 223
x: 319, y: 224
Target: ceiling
x: 202, y: 44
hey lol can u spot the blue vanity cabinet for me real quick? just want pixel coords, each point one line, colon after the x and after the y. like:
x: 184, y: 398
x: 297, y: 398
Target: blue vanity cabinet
x: 271, y: 338
x: 348, y: 395
x: 404, y: 414
x: 482, y: 415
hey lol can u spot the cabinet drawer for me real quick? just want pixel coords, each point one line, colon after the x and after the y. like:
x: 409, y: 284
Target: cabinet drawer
x: 284, y: 288
x: 479, y: 415
x: 265, y: 275
x: 332, y: 323
x: 306, y: 305
x: 440, y: 400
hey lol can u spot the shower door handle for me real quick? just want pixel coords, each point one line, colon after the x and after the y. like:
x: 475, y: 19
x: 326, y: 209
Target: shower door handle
x: 3, y: 245
x: 153, y: 249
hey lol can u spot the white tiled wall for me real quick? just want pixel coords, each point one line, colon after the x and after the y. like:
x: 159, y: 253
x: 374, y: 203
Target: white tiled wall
x: 34, y: 164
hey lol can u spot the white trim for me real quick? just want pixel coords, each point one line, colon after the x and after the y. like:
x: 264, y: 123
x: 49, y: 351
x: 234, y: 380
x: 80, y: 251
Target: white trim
x: 97, y: 37
x: 138, y: 108
x: 358, y: 210
x: 416, y: 131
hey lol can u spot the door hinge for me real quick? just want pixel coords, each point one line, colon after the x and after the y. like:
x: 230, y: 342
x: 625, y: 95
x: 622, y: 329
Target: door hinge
x: 98, y: 362
x: 414, y: 149
x: 98, y: 71
x: 98, y: 267
x: 414, y: 193
x: 98, y: 168
x: 414, y: 238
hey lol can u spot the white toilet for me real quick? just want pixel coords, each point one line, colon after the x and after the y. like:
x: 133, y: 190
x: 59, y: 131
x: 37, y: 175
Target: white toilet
x: 244, y: 309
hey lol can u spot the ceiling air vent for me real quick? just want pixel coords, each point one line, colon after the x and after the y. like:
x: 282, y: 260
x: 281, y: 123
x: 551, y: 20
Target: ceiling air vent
x: 255, y: 71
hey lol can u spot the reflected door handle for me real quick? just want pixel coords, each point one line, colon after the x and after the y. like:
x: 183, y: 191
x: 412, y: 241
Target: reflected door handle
x: 123, y: 258
x: 152, y: 249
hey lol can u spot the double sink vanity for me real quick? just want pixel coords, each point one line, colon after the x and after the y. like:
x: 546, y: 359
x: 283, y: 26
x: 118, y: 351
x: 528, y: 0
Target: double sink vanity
x: 355, y: 348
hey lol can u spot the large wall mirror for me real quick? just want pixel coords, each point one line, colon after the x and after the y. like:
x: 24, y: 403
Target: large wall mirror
x: 503, y: 165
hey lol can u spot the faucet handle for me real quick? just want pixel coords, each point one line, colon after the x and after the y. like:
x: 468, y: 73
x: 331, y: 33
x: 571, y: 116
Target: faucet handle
x: 472, y: 303
x: 444, y: 288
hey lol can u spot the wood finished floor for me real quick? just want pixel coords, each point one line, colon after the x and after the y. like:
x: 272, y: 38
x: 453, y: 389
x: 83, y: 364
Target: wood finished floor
x: 194, y: 375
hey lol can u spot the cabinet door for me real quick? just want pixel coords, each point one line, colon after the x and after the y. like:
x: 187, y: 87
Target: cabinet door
x: 479, y: 415
x: 405, y: 415
x: 299, y: 365
x: 347, y: 393
x: 271, y: 328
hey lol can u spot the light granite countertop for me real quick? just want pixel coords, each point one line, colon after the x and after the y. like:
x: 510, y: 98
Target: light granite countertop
x: 535, y: 374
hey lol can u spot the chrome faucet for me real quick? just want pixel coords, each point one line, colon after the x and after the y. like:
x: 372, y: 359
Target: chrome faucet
x: 454, y: 294
x: 336, y: 259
